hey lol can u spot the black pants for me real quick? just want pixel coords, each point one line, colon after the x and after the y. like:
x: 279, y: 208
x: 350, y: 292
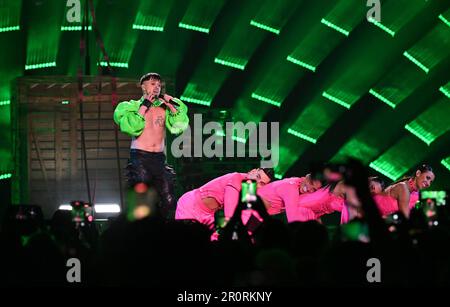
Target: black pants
x: 151, y: 169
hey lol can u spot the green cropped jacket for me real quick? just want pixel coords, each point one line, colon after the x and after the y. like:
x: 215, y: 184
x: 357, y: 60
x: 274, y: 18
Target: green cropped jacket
x: 131, y: 122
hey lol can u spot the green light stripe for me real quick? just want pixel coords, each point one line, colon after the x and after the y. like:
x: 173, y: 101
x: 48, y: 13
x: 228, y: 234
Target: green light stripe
x: 9, y: 29
x: 196, y: 101
x: 302, y: 136
x: 447, y: 22
x: 415, y: 61
x: 264, y: 99
x: 303, y: 64
x: 336, y: 100
x: 445, y: 91
x: 264, y: 27
x: 382, y: 27
x: 74, y: 28
x: 42, y: 65
x: 382, y: 171
x: 235, y: 138
x: 383, y: 99
x: 422, y: 137
x: 278, y: 176
x: 446, y: 163
x: 148, y: 28
x: 239, y: 139
x: 5, y: 102
x: 5, y: 176
x: 193, y: 28
x: 114, y: 64
x: 228, y: 63
x: 335, y: 27
x: 220, y: 133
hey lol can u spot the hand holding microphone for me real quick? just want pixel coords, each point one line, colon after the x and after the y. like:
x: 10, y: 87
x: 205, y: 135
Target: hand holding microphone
x: 158, y: 100
x: 151, y: 97
x: 169, y: 102
x: 168, y: 99
x: 149, y: 100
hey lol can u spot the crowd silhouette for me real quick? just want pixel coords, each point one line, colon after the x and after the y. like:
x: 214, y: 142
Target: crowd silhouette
x: 149, y: 251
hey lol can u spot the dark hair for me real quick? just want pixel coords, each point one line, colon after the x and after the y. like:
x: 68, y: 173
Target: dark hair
x: 330, y: 186
x: 150, y: 75
x: 316, y: 175
x: 269, y: 172
x: 422, y: 168
x: 379, y: 180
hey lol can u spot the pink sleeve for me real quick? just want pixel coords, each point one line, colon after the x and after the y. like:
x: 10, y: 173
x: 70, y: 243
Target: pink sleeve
x: 413, y: 199
x: 344, y: 215
x: 294, y: 212
x: 231, y: 196
x: 337, y: 203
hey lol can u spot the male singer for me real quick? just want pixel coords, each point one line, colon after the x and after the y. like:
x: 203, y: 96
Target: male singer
x: 146, y: 121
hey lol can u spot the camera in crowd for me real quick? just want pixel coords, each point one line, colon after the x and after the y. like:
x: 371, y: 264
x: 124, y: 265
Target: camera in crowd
x: 432, y: 210
x: 26, y: 213
x: 394, y: 221
x: 25, y: 219
x: 248, y: 193
x: 81, y: 212
x: 434, y: 207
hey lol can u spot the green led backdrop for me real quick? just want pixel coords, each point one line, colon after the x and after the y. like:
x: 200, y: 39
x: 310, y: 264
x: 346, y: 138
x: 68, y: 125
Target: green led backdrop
x: 339, y: 84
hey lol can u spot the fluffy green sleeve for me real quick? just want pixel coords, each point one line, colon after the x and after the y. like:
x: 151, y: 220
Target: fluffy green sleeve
x: 127, y: 116
x: 179, y: 121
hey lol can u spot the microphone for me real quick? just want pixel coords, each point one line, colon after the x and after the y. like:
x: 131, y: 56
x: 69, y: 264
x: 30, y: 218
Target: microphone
x: 170, y: 101
x: 148, y: 103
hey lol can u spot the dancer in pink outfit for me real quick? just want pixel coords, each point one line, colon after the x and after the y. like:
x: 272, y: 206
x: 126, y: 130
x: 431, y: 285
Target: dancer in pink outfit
x: 283, y: 195
x: 376, y: 186
x: 324, y: 201
x: 403, y: 195
x: 222, y: 192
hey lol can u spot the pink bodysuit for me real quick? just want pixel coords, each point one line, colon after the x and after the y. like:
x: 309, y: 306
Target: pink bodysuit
x: 225, y: 190
x: 321, y: 202
x: 283, y: 195
x: 345, y: 214
x: 385, y: 203
x: 388, y: 204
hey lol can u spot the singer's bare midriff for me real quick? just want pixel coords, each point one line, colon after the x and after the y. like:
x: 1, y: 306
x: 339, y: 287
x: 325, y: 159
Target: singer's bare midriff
x: 152, y: 138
